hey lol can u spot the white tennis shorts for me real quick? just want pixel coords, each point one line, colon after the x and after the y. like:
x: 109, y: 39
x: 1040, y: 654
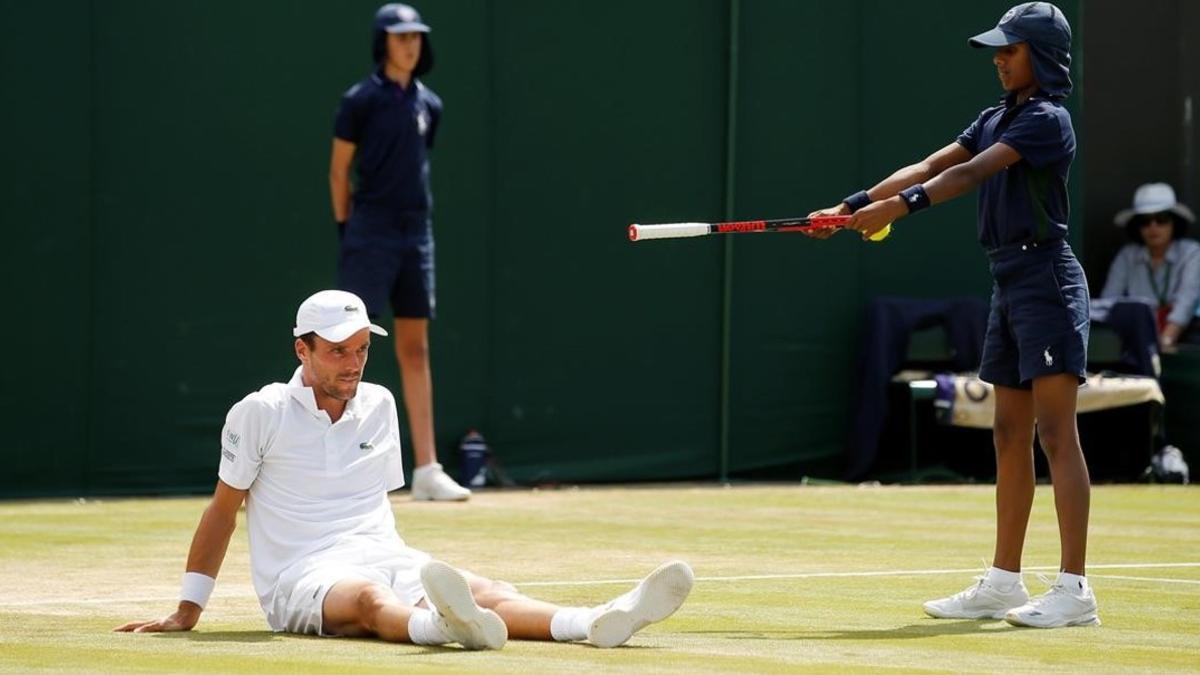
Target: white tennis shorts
x: 300, y: 594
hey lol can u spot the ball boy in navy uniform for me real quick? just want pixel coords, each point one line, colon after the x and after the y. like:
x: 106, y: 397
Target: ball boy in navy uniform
x: 1018, y: 154
x: 387, y: 122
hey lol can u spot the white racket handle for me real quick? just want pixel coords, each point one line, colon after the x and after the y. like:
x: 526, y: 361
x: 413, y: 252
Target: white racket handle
x: 668, y: 231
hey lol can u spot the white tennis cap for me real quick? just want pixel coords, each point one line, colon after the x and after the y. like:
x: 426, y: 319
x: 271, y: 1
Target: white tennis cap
x: 334, y: 315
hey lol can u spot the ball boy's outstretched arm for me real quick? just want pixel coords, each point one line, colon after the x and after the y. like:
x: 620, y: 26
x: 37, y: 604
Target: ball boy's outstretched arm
x: 944, y: 175
x: 950, y: 183
x: 209, y: 545
x: 908, y: 176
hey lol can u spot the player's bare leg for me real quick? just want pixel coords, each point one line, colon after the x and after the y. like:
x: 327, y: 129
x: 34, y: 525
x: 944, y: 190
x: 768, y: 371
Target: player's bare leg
x: 1012, y: 432
x: 356, y: 608
x: 412, y: 353
x: 359, y: 608
x: 1070, y: 600
x: 1001, y: 589
x: 611, y: 624
x: 1054, y: 401
x: 526, y: 618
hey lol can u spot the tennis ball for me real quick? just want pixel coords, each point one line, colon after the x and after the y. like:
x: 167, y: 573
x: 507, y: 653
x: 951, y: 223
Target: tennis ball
x: 881, y: 234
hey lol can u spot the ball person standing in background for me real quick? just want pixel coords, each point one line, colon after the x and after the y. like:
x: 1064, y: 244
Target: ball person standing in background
x: 387, y: 122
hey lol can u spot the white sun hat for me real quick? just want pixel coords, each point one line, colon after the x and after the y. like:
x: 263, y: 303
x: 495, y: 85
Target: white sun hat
x: 1154, y: 198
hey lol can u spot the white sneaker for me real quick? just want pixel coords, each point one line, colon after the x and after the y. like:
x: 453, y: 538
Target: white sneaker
x: 654, y: 598
x: 981, y: 601
x: 1058, y: 607
x: 430, y: 483
x: 457, y: 615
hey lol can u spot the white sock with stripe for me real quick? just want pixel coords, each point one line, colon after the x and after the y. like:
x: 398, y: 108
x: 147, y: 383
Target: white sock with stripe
x: 423, y: 630
x: 570, y: 624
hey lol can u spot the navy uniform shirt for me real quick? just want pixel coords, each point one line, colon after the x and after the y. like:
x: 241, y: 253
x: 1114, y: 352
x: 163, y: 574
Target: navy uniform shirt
x: 1027, y: 201
x: 393, y: 129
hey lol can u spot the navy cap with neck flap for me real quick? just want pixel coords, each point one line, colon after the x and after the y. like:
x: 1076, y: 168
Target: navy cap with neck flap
x: 1043, y: 27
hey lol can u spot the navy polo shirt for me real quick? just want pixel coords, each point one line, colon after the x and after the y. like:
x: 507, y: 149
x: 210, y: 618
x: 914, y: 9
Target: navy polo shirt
x: 1027, y: 201
x: 393, y: 128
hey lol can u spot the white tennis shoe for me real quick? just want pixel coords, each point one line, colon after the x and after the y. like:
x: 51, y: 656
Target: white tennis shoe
x: 1056, y: 608
x: 984, y: 600
x: 431, y: 484
x: 654, y: 598
x: 455, y: 610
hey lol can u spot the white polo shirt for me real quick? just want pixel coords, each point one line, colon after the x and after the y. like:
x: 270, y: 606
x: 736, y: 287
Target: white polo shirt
x: 317, y: 490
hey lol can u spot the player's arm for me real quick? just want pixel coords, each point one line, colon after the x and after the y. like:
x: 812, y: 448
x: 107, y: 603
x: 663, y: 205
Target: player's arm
x: 931, y: 166
x: 207, y: 552
x: 339, y: 178
x: 946, y: 185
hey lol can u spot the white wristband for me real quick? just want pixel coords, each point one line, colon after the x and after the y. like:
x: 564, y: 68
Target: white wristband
x: 197, y: 588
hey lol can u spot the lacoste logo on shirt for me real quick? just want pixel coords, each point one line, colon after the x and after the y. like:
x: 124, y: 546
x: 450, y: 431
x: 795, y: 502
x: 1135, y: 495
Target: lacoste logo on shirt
x: 1049, y: 359
x: 365, y: 446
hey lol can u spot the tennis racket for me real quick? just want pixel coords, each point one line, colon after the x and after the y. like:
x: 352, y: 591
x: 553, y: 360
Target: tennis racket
x: 678, y: 230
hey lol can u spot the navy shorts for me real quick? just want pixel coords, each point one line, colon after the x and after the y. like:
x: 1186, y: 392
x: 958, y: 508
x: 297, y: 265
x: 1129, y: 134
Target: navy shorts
x: 389, y: 259
x: 1039, y: 319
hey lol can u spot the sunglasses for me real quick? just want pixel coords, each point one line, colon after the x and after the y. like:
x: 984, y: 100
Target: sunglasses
x: 1164, y: 218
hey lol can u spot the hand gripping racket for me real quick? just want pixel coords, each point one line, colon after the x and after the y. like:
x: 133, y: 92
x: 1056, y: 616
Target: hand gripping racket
x: 679, y: 230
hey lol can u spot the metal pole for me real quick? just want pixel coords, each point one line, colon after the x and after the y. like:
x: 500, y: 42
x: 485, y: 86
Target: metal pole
x: 727, y: 265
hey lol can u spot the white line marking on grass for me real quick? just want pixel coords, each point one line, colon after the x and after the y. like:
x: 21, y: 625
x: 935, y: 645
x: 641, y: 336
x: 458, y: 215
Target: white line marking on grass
x: 822, y: 575
x: 1154, y: 579
x: 602, y: 582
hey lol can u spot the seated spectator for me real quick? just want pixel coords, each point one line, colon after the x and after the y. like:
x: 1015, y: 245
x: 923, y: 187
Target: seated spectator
x: 1160, y: 266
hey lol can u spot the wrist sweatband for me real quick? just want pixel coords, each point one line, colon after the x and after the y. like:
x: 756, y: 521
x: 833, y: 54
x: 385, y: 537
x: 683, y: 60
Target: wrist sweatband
x: 915, y: 198
x: 197, y: 588
x: 857, y: 200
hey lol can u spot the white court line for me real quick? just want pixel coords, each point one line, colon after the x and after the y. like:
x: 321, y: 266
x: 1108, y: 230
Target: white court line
x: 885, y: 573
x: 751, y: 577
x: 1158, y: 580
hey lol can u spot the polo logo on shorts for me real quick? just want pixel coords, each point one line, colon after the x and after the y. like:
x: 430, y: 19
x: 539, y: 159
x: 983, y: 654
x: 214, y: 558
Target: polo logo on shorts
x: 365, y: 446
x: 1049, y: 359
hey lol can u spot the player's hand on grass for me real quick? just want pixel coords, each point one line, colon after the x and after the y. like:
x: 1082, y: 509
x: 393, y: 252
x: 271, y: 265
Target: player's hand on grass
x: 877, y: 215
x: 827, y: 232
x: 184, y: 618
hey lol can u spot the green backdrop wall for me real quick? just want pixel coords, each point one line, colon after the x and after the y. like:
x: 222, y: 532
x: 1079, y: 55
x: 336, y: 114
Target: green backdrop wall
x: 165, y: 208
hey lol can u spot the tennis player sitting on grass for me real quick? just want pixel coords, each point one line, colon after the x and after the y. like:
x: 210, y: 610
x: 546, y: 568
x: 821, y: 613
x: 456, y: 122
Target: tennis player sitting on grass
x: 1018, y: 154
x: 314, y: 460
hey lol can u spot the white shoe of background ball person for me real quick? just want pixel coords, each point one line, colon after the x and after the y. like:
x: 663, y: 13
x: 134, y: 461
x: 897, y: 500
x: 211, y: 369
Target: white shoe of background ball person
x: 458, y: 616
x: 654, y: 598
x: 431, y: 484
x: 983, y: 600
x: 1058, y: 607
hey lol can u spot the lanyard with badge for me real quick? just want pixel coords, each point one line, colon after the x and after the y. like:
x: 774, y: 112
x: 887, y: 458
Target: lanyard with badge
x: 1164, y: 307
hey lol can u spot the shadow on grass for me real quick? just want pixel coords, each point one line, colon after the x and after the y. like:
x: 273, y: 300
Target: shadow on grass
x: 924, y: 629
x: 222, y: 636
x: 253, y: 636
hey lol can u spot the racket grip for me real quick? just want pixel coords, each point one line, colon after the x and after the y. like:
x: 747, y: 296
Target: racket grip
x: 667, y: 231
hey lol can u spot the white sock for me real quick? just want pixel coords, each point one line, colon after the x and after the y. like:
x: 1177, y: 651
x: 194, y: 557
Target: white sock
x: 1002, y: 579
x: 423, y: 630
x: 570, y: 624
x: 1073, y: 582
